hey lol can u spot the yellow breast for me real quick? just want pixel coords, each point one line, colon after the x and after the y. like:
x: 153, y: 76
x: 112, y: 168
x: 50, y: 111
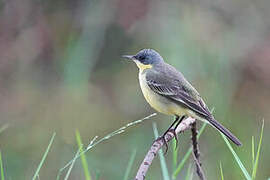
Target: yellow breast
x: 158, y: 102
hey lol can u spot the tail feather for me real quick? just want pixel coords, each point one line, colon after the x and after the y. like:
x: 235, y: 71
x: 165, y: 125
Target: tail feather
x: 225, y: 131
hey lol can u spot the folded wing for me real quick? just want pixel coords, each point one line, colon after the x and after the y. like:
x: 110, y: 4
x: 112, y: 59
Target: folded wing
x: 174, y: 87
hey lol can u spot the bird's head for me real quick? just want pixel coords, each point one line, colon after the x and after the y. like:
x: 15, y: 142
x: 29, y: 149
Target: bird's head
x: 145, y: 58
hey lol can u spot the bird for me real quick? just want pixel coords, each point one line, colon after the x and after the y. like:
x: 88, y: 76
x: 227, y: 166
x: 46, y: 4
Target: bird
x: 168, y: 92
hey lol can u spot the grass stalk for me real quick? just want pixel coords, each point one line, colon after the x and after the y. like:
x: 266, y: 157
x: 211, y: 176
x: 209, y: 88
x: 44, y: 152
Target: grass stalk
x: 43, y: 158
x: 174, y: 155
x: 72, y: 164
x: 163, y: 164
x: 186, y: 156
x: 2, y: 168
x: 221, y: 171
x: 240, y: 164
x: 83, y: 158
x: 189, y: 172
x: 255, y: 166
x: 94, y: 142
x: 130, y: 163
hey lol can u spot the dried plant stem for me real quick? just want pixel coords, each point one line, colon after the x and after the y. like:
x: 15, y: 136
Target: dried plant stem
x: 196, y: 152
x: 95, y: 142
x: 141, y: 173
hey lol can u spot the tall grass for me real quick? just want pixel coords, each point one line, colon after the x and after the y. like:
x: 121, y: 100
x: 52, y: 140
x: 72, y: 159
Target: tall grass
x: 1, y: 167
x: 164, y: 168
x: 176, y: 167
x: 72, y: 164
x: 221, y: 171
x: 175, y: 155
x: 83, y: 158
x: 255, y: 161
x: 130, y: 163
x: 255, y: 164
x: 186, y: 156
x: 44, y: 157
x: 236, y: 157
x: 189, y: 173
x: 95, y: 142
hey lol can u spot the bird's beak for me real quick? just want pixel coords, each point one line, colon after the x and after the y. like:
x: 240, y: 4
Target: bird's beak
x: 128, y: 57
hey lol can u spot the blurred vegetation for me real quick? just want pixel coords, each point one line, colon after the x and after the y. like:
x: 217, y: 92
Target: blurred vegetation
x: 61, y: 70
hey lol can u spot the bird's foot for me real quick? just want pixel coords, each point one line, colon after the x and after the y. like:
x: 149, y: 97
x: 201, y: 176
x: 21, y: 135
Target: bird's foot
x: 162, y: 138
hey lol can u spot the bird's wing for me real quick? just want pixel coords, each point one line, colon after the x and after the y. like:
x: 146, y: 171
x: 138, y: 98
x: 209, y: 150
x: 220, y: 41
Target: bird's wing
x: 178, y: 90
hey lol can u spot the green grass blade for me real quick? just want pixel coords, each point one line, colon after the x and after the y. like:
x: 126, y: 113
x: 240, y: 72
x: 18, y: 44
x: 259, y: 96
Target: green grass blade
x: 44, y: 157
x: 191, y: 174
x: 98, y: 174
x: 2, y: 168
x: 58, y: 175
x: 253, y: 150
x: 163, y: 164
x: 254, y: 171
x: 175, y: 155
x: 83, y: 158
x: 188, y: 153
x: 72, y: 160
x: 221, y: 171
x: 188, y: 176
x: 130, y: 163
x: 240, y: 164
x: 182, y: 163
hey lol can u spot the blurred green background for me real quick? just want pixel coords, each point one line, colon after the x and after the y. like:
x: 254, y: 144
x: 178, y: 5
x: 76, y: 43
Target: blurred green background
x: 61, y: 70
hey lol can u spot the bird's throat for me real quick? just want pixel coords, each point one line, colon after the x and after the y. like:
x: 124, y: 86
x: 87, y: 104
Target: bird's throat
x: 142, y: 66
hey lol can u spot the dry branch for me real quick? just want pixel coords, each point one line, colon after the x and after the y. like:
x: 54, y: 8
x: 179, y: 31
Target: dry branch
x: 141, y: 173
x: 196, y: 152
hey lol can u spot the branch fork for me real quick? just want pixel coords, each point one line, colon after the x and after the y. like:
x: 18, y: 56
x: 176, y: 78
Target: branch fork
x: 188, y: 123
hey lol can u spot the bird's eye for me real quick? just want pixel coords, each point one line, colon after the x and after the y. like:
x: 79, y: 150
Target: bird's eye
x: 142, y: 58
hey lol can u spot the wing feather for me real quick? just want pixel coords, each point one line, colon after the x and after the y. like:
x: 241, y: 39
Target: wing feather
x: 179, y: 95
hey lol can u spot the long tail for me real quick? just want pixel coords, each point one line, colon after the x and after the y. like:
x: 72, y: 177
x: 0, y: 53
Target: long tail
x: 225, y: 131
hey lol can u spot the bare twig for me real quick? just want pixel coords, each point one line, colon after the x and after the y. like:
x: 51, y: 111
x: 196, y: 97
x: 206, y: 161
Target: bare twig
x: 141, y: 173
x: 196, y: 152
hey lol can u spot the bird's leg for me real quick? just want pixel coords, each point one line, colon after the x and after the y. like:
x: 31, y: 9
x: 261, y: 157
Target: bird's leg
x: 174, y: 129
x: 169, y: 129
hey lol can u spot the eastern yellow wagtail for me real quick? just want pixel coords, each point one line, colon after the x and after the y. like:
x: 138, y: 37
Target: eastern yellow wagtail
x: 168, y: 92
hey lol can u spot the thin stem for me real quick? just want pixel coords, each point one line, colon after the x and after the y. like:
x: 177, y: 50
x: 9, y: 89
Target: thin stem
x: 196, y: 152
